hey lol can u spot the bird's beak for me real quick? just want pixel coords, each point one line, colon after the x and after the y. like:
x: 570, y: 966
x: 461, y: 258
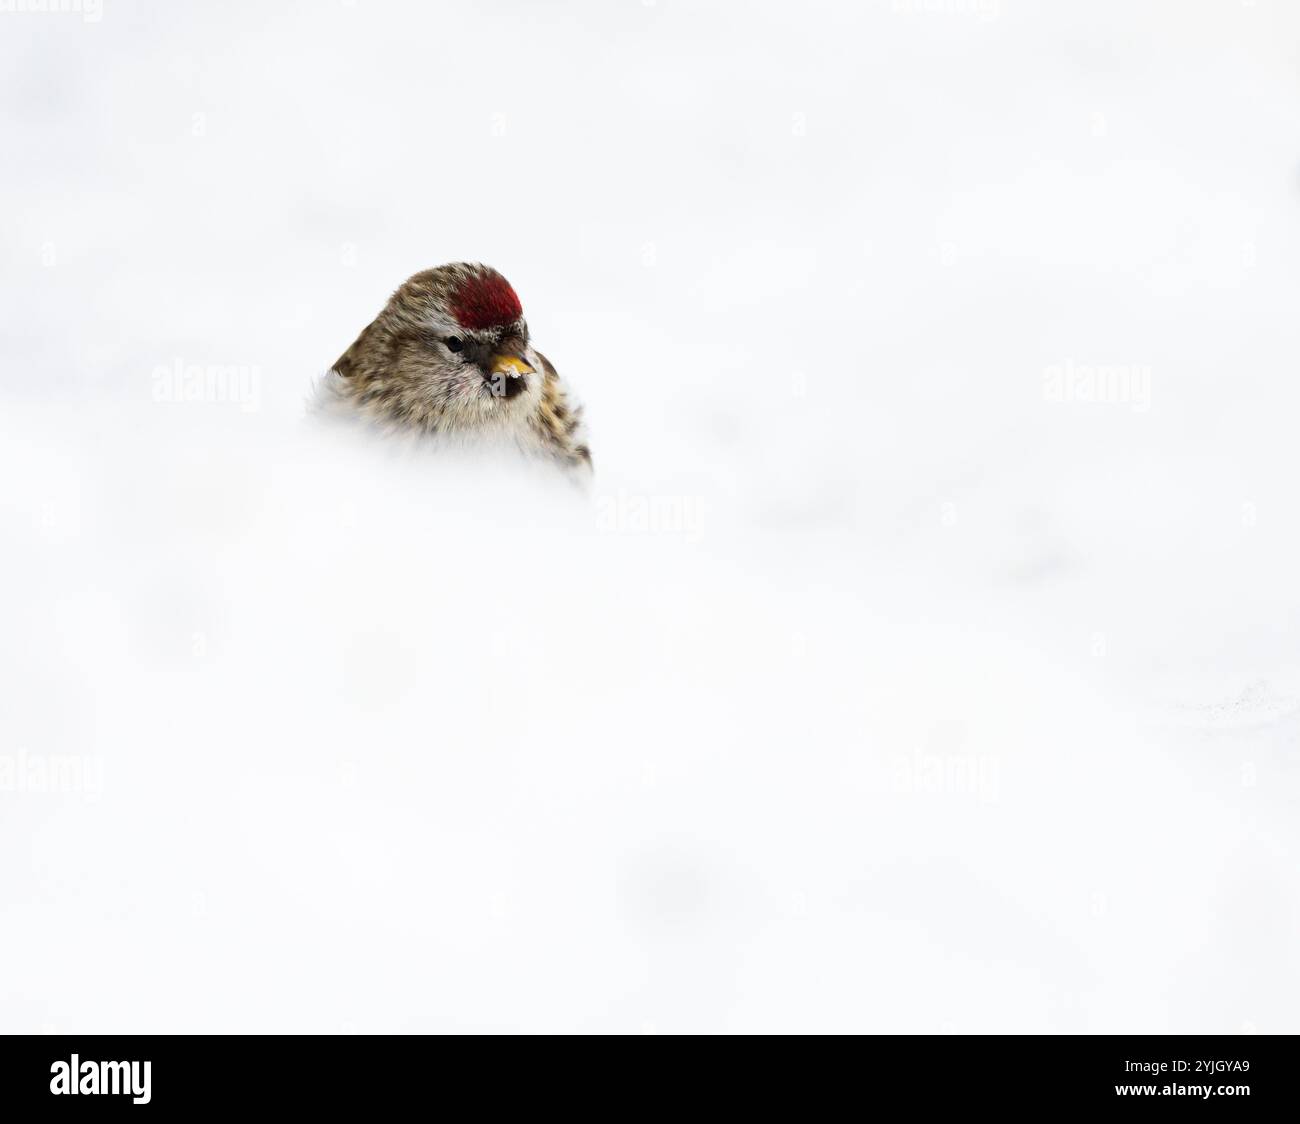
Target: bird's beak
x: 510, y: 365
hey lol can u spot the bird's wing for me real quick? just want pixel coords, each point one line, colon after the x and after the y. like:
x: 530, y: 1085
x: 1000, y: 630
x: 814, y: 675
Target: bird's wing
x: 559, y: 420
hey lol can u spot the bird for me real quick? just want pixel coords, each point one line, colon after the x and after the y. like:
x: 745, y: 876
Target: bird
x: 450, y: 357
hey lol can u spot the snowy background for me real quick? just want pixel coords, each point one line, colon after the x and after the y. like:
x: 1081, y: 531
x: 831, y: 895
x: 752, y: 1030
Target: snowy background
x: 899, y: 674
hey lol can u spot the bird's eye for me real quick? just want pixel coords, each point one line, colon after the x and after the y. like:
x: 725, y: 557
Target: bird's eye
x: 454, y: 343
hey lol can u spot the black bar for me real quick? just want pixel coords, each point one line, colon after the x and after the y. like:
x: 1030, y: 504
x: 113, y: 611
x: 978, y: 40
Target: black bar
x: 238, y: 1073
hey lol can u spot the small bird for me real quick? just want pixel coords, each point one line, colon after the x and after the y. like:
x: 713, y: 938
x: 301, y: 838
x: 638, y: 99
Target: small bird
x: 450, y: 357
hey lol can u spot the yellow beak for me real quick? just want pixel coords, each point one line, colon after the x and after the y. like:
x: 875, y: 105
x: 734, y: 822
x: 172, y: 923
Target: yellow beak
x: 509, y: 365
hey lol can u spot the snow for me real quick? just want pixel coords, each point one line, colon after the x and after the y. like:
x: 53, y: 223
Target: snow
x: 896, y: 676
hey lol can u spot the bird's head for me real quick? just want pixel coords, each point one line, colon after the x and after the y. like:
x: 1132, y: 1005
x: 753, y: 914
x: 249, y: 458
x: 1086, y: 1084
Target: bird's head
x: 450, y: 351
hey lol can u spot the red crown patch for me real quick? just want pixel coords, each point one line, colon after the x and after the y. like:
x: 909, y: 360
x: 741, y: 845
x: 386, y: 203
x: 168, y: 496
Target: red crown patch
x: 485, y: 301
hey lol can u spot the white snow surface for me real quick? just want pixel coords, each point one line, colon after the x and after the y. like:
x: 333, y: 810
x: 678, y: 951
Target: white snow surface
x: 886, y: 680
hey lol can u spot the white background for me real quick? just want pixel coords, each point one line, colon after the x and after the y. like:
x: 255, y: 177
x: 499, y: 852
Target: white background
x: 877, y: 685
